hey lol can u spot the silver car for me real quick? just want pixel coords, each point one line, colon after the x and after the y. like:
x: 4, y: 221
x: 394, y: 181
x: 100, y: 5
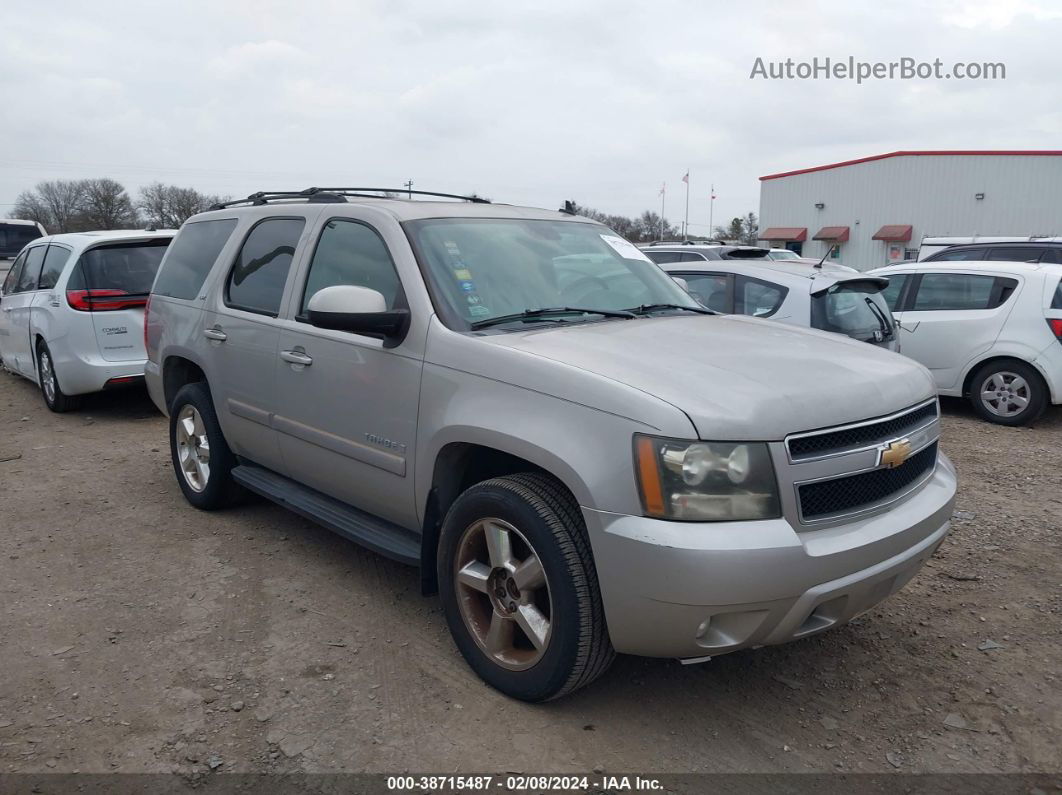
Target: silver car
x: 72, y: 311
x: 580, y: 458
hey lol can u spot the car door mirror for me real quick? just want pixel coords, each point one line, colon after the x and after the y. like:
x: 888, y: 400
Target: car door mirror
x: 360, y: 310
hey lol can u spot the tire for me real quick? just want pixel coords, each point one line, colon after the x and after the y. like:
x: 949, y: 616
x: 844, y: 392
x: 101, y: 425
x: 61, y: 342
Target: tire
x: 541, y: 521
x: 48, y: 379
x: 998, y: 388
x: 194, y: 429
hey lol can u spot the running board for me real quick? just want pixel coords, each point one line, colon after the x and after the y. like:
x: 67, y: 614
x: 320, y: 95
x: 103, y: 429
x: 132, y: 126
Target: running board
x: 377, y: 534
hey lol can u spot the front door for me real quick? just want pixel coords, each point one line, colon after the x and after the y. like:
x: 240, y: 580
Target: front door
x: 346, y: 410
x: 17, y: 308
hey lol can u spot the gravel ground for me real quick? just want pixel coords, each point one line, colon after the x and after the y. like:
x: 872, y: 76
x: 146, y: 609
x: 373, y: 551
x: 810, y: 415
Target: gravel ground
x: 140, y: 635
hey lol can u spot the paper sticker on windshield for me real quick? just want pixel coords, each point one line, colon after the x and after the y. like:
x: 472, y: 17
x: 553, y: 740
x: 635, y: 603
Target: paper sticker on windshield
x: 624, y: 248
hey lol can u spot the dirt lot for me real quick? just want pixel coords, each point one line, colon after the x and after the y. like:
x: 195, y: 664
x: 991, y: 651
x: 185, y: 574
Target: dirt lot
x: 138, y: 634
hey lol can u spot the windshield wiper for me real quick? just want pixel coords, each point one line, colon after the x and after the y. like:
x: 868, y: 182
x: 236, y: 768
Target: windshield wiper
x: 552, y: 311
x: 645, y: 309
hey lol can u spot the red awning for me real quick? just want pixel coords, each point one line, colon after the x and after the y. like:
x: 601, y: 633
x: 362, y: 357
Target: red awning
x: 896, y: 233
x: 793, y: 234
x: 838, y: 234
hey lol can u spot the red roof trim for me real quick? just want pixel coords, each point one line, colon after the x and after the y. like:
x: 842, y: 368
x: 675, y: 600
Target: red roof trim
x: 920, y: 153
x: 894, y: 233
x: 796, y: 234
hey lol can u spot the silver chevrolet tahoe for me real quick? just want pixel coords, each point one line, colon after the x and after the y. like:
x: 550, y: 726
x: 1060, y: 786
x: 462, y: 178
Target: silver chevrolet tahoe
x: 580, y: 457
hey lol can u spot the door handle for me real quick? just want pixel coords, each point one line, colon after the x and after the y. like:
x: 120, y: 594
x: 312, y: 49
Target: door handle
x: 296, y: 357
x: 215, y: 334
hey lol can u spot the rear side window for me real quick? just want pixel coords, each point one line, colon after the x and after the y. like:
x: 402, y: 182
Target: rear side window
x: 959, y: 255
x: 891, y: 294
x: 256, y: 282
x: 352, y: 253
x: 54, y: 261
x: 690, y: 257
x: 1015, y: 253
x: 31, y: 270
x: 191, y: 256
x: 121, y: 269
x: 1052, y: 255
x: 957, y: 291
x: 758, y: 298
x: 660, y: 257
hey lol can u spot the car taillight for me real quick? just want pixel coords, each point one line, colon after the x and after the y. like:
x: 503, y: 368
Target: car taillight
x: 103, y: 300
x: 147, y: 308
x: 1056, y: 326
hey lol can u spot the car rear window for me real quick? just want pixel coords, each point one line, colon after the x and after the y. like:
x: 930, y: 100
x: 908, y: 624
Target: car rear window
x: 858, y: 309
x: 128, y: 268
x: 14, y: 236
x: 191, y: 256
x: 1057, y: 302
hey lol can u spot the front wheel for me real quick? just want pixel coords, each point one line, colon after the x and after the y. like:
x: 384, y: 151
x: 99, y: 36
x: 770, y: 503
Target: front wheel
x: 519, y: 588
x: 54, y: 398
x: 1008, y: 392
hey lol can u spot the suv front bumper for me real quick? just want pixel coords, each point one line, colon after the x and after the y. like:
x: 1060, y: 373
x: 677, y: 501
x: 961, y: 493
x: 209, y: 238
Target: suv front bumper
x: 687, y: 590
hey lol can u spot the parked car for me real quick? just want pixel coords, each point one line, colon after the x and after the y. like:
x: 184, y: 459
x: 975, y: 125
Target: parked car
x: 15, y: 233
x: 782, y: 254
x: 988, y: 331
x: 72, y: 309
x: 662, y: 253
x: 580, y: 457
x: 1040, y: 251
x: 930, y: 246
x: 832, y: 298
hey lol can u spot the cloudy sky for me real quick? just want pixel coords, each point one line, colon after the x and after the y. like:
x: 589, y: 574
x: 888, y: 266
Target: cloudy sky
x: 523, y: 102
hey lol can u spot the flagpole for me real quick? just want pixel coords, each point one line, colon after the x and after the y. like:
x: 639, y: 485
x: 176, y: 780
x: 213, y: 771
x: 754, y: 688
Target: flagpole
x: 711, y: 211
x: 663, y: 198
x: 686, y: 223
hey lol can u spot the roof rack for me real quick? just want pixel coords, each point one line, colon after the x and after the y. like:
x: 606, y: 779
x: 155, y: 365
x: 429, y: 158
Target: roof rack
x: 337, y: 195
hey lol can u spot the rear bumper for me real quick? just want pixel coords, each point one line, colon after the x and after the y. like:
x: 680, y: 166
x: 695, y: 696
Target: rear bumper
x: 1049, y: 363
x: 81, y: 374
x: 686, y: 590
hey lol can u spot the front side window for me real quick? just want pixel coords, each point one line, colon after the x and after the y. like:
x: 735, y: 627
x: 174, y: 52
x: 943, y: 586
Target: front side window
x: 954, y: 291
x: 12, y: 275
x: 758, y: 298
x: 482, y: 269
x: 191, y: 256
x: 256, y: 282
x: 349, y: 252
x: 857, y: 309
x: 711, y: 289
x: 891, y: 294
x: 31, y: 270
x: 54, y: 261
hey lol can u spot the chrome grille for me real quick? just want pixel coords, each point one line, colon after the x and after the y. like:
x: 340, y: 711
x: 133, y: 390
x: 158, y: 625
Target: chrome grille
x: 841, y: 495
x: 803, y: 447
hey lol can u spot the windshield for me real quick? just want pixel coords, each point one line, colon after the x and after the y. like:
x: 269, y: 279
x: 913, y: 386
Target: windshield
x: 482, y: 269
x: 855, y: 308
x: 780, y: 254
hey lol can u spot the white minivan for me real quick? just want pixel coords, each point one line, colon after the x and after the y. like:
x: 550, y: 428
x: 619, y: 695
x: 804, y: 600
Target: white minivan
x: 72, y: 311
x: 988, y: 331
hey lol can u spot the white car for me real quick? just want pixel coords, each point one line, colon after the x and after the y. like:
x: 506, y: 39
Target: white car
x: 72, y: 311
x: 832, y: 297
x: 989, y: 331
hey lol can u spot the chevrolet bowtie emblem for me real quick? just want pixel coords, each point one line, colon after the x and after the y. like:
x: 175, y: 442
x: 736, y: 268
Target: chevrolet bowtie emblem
x: 894, y: 453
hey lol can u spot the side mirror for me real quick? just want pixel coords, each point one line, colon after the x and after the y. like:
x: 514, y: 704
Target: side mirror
x: 682, y: 283
x: 345, y: 307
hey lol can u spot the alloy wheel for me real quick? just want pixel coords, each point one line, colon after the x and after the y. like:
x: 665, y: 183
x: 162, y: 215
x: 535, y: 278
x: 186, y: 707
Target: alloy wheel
x: 503, y: 594
x: 193, y: 448
x: 47, y: 376
x: 1005, y: 394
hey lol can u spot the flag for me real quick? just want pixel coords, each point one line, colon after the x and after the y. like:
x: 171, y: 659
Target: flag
x: 686, y: 178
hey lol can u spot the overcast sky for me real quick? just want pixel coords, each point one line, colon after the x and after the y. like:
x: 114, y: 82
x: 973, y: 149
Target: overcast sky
x: 527, y: 103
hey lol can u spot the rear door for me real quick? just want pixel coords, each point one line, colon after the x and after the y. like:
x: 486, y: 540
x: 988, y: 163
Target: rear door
x: 17, y: 307
x: 7, y: 299
x: 111, y: 281
x: 949, y: 318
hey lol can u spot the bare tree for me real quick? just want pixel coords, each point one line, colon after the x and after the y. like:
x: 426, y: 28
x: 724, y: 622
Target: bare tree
x: 59, y: 201
x: 169, y: 206
x: 106, y: 205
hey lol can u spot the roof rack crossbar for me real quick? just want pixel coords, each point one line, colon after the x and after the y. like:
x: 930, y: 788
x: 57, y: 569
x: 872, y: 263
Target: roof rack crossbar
x: 327, y: 194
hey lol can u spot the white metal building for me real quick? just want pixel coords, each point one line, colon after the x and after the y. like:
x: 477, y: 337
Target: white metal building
x: 877, y: 209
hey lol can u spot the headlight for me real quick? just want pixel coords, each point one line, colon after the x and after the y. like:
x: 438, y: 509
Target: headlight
x: 705, y: 481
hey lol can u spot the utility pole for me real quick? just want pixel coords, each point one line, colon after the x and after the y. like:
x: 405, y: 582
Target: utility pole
x: 686, y: 223
x: 409, y: 186
x: 663, y: 197
x: 711, y: 211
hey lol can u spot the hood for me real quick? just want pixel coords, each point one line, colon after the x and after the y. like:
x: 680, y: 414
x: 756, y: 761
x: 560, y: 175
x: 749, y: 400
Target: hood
x: 738, y: 378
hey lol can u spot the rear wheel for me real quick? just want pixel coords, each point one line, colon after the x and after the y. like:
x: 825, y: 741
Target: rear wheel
x: 519, y: 588
x: 54, y: 398
x: 201, y: 457
x: 1008, y: 392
